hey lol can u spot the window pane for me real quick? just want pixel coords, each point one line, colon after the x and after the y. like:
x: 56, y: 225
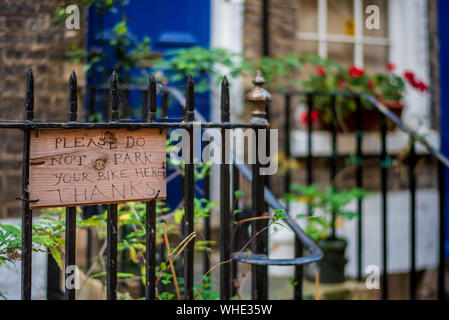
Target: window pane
x: 383, y: 15
x: 308, y: 16
x: 340, y: 17
x: 375, y: 58
x: 341, y: 52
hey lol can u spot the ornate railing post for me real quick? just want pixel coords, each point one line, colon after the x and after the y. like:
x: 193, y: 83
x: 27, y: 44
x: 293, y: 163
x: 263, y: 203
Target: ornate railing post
x: 259, y: 98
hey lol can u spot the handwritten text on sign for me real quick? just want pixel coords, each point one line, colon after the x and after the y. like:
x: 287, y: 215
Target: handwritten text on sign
x: 92, y: 166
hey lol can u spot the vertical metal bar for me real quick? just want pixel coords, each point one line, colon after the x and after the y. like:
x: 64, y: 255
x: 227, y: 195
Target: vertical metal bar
x: 234, y: 264
x: 27, y: 218
x: 161, y: 257
x: 260, y: 273
x: 89, y: 240
x: 359, y: 182
x: 189, y: 180
x: 383, y: 177
x: 70, y: 219
x: 225, y: 201
x: 207, y: 231
x: 441, y: 240
x: 112, y: 223
x: 259, y: 98
x: 287, y: 115
x: 265, y: 28
x: 150, y: 222
x: 333, y: 165
x: 412, y: 187
x: 310, y: 100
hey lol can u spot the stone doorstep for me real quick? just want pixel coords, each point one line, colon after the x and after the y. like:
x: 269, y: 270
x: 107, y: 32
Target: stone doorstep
x: 349, y: 290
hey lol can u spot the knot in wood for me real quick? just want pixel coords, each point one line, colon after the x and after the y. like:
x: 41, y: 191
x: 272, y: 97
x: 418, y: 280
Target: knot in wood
x: 99, y: 164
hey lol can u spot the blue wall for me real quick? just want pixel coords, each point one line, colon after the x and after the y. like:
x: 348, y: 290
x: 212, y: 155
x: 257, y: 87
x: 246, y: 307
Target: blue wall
x: 443, y: 26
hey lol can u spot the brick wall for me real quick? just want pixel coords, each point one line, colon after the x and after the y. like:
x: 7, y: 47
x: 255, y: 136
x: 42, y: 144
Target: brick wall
x: 28, y: 39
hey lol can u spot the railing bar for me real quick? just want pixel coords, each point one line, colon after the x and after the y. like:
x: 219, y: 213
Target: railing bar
x: 70, y: 251
x: 112, y: 213
x: 234, y: 264
x: 189, y: 180
x: 259, y: 99
x: 441, y: 247
x: 412, y: 187
x: 333, y: 164
x: 150, y: 112
x: 225, y: 200
x: 384, y: 167
x: 27, y: 215
x: 207, y: 228
x: 70, y: 219
x: 310, y: 101
x: 359, y: 182
x: 298, y: 277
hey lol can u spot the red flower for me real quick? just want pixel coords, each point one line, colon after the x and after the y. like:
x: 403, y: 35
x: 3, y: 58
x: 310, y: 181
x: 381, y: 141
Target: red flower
x: 391, y: 67
x: 304, y: 117
x: 371, y: 84
x: 320, y: 71
x: 410, y: 76
x: 415, y: 83
x: 356, y: 72
x: 422, y: 86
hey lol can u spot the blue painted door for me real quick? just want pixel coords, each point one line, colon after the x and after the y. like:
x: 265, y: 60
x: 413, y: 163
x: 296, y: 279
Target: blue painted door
x: 169, y: 25
x: 443, y: 26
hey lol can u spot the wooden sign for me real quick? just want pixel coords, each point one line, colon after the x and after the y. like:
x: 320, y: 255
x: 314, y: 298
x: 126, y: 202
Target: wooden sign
x: 95, y: 166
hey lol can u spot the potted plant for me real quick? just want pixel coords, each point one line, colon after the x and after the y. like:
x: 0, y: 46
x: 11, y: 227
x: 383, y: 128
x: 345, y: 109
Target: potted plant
x: 323, y: 205
x: 388, y: 88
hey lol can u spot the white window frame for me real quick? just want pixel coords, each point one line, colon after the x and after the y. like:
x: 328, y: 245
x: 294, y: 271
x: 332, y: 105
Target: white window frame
x: 408, y: 50
x: 323, y: 37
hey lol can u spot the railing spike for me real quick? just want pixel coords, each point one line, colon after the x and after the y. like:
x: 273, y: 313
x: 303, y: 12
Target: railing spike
x: 190, y: 99
x: 73, y: 97
x: 29, y: 96
x: 113, y: 87
x: 225, y: 100
x: 152, y: 98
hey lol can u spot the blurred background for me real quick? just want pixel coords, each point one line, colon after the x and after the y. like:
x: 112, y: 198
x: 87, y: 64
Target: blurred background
x: 393, y: 50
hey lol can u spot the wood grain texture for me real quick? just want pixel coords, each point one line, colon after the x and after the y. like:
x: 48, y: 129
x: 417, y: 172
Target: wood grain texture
x: 95, y: 166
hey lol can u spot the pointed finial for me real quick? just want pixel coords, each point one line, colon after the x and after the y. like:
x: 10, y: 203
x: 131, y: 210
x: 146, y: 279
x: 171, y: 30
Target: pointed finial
x: 29, y: 96
x: 190, y: 99
x: 73, y: 97
x: 259, y: 98
x: 152, y: 107
x: 225, y: 117
x: 114, y: 99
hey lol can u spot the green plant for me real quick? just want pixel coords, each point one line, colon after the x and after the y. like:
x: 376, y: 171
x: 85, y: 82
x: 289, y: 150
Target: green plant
x: 323, y: 205
x: 120, y: 49
x: 330, y: 76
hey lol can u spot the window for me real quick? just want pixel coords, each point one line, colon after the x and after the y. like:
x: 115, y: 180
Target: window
x: 336, y: 30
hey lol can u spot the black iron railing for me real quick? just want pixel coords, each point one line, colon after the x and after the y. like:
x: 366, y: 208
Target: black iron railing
x: 261, y: 197
x: 385, y: 115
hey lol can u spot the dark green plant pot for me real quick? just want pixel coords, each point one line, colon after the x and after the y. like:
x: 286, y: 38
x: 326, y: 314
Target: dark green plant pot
x: 332, y: 266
